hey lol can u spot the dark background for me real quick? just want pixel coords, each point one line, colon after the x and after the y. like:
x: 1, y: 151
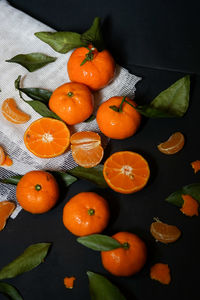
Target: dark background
x: 159, y: 41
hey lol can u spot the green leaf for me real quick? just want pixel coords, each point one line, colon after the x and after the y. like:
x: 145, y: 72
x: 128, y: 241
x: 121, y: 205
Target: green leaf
x: 29, y: 259
x: 10, y: 291
x: 94, y: 35
x: 62, y: 41
x: 91, y: 118
x: 102, y: 289
x: 192, y: 189
x: 64, y: 178
x: 172, y: 102
x: 99, y: 242
x: 12, y: 180
x: 42, y: 95
x: 94, y: 174
x: 32, y: 61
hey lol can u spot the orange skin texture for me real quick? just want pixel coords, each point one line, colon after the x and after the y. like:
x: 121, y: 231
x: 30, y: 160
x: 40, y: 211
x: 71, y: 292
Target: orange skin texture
x: 190, y: 206
x: 72, y: 109
x: 69, y: 282
x: 6, y: 209
x: 2, y: 156
x: 96, y: 73
x: 118, y: 125
x: 125, y: 262
x: 33, y: 200
x: 161, y: 273
x: 196, y: 165
x: 76, y: 217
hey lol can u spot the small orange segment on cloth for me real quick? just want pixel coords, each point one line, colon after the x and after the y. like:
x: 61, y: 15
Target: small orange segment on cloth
x: 69, y: 282
x: 161, y: 273
x: 12, y: 113
x: 196, y: 165
x: 190, y: 206
x: 6, y: 209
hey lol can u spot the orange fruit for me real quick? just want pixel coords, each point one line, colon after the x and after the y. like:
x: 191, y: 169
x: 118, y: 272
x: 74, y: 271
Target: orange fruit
x: 86, y: 213
x: 89, y: 66
x: 86, y: 148
x: 196, y: 165
x: 190, y: 206
x: 72, y: 102
x: 127, y: 260
x: 117, y: 119
x: 173, y: 145
x: 37, y: 192
x: 126, y: 172
x: 12, y: 113
x: 47, y: 137
x: 164, y: 233
x: 161, y: 273
x: 69, y: 282
x: 2, y: 156
x: 6, y: 209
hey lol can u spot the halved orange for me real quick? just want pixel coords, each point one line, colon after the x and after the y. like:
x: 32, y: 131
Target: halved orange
x: 47, y: 137
x: 126, y: 172
x: 12, y: 113
x: 6, y: 209
x: 86, y: 148
x: 173, y: 145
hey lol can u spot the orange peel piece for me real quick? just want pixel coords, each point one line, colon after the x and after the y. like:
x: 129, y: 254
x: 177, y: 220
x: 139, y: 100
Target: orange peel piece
x: 69, y: 282
x: 173, y: 145
x: 2, y: 156
x: 190, y: 206
x: 12, y: 113
x: 196, y: 165
x: 161, y: 273
x: 8, y: 161
x: 6, y: 209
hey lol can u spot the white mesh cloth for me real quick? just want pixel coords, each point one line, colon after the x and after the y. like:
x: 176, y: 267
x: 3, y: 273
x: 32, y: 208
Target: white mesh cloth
x: 17, y: 37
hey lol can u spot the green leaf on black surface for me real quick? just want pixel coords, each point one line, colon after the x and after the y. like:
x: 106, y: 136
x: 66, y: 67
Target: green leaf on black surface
x: 10, y: 291
x: 172, y: 102
x: 192, y: 189
x: 102, y: 289
x: 94, y: 35
x: 28, y: 260
x: 12, y: 180
x: 64, y: 178
x: 32, y: 61
x: 62, y: 41
x: 99, y: 242
x: 94, y: 174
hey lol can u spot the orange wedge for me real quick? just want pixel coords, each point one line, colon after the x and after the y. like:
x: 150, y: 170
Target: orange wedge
x: 6, y: 209
x: 164, y: 233
x: 12, y: 113
x: 86, y: 148
x: 126, y: 172
x: 47, y: 137
x: 173, y: 145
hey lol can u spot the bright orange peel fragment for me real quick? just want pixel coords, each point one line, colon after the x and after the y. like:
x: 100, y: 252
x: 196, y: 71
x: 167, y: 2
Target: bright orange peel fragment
x: 6, y: 209
x: 161, y: 273
x: 196, y: 165
x: 190, y: 206
x: 69, y: 282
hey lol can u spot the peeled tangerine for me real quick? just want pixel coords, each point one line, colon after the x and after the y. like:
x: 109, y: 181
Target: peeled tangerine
x: 173, y: 145
x: 164, y: 233
x: 12, y: 113
x: 6, y: 209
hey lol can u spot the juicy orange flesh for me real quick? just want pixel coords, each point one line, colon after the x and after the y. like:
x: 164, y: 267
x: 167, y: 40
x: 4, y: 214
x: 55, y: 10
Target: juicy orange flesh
x: 196, y: 165
x: 160, y: 272
x: 190, y: 206
x: 69, y: 282
x: 6, y: 209
x: 127, y: 171
x: 174, y: 144
x: 12, y: 113
x: 47, y: 137
x: 164, y: 233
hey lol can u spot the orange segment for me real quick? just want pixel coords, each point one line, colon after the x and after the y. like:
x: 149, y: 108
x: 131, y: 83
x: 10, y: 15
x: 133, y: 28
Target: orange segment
x: 196, y: 165
x: 173, y: 145
x: 2, y: 156
x: 190, y: 206
x: 86, y: 148
x: 161, y: 273
x: 47, y: 137
x: 6, y: 209
x: 69, y: 282
x: 164, y: 233
x: 12, y: 113
x: 126, y: 172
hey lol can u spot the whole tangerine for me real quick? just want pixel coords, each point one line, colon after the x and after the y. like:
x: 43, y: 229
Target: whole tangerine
x: 37, y: 192
x: 117, y: 118
x: 91, y: 67
x: 86, y: 213
x: 127, y: 260
x: 72, y: 102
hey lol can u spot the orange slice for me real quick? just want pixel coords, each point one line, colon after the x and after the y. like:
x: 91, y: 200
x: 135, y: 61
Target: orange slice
x: 47, y: 137
x: 69, y: 282
x: 126, y: 172
x: 173, y: 145
x: 164, y: 233
x: 196, y: 165
x: 190, y: 206
x: 6, y: 209
x: 161, y: 273
x: 12, y: 113
x: 86, y: 148
x: 2, y: 156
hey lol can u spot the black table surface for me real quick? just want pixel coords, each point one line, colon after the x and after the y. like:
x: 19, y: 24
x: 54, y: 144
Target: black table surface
x: 158, y: 42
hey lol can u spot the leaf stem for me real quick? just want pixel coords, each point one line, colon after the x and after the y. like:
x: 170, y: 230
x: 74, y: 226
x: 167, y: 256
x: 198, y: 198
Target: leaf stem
x: 89, y: 56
